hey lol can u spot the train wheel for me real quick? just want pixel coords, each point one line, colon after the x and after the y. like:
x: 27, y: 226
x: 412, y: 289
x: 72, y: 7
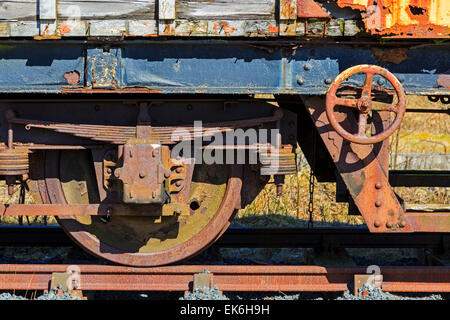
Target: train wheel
x: 143, y: 241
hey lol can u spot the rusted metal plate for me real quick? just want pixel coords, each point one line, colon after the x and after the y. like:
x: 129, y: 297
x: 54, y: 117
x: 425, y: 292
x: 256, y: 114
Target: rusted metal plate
x: 142, y: 172
x: 310, y: 9
x: 404, y: 18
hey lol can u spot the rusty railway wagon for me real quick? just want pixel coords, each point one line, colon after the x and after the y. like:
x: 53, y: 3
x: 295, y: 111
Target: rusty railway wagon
x: 96, y: 96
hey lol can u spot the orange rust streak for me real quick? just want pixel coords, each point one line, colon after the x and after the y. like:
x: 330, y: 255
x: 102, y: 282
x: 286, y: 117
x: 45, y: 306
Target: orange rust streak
x: 93, y: 91
x: 63, y: 29
x: 273, y: 29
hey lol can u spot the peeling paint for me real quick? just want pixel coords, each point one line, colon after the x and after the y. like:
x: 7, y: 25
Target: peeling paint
x: 395, y: 55
x: 404, y: 18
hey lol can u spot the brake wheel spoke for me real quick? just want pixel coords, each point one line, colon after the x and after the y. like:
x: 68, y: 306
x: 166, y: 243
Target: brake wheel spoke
x: 367, y: 89
x: 351, y: 103
x: 362, y: 123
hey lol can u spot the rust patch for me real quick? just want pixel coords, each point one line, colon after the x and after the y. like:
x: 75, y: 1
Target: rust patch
x: 72, y: 77
x: 287, y: 9
x: 226, y: 28
x: 404, y: 18
x: 273, y: 29
x: 95, y: 91
x: 310, y: 9
x: 63, y: 29
x: 395, y: 55
x: 444, y: 80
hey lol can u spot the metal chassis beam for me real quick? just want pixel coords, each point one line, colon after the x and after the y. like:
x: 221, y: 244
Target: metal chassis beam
x: 210, y: 66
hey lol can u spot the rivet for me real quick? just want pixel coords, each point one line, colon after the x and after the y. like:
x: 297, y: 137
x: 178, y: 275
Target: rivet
x: 178, y: 170
x: 378, y: 203
x: 378, y: 185
x: 328, y: 81
x: 389, y: 224
x: 300, y: 80
x: 141, y: 175
x: 109, y: 170
x: 307, y: 66
x: 178, y: 183
x: 402, y: 224
x: 166, y: 174
x: 377, y: 223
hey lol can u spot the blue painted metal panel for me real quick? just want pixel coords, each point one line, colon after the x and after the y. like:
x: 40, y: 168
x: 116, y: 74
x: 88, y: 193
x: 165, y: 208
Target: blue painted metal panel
x: 38, y: 67
x: 206, y: 66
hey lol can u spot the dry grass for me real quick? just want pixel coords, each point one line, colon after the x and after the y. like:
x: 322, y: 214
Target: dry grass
x: 419, y: 133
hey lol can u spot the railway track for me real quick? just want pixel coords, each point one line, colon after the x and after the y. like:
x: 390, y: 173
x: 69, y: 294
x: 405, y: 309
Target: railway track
x: 248, y: 278
x: 234, y: 237
x: 225, y: 277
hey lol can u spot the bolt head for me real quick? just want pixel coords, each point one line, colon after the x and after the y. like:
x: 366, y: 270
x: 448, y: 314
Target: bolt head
x: 377, y: 223
x: 378, y: 203
x: 109, y: 170
x: 328, y: 81
x: 166, y: 174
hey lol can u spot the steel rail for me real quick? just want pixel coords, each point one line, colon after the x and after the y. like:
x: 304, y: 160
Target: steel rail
x: 347, y: 237
x: 226, y: 277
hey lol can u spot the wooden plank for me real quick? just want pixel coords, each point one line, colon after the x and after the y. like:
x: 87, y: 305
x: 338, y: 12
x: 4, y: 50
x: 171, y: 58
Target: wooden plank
x: 226, y: 9
x: 24, y: 29
x: 72, y: 28
x: 143, y: 28
x: 166, y: 9
x: 47, y: 28
x: 166, y: 27
x: 18, y: 10
x: 106, y: 9
x: 47, y: 9
x: 99, y: 28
